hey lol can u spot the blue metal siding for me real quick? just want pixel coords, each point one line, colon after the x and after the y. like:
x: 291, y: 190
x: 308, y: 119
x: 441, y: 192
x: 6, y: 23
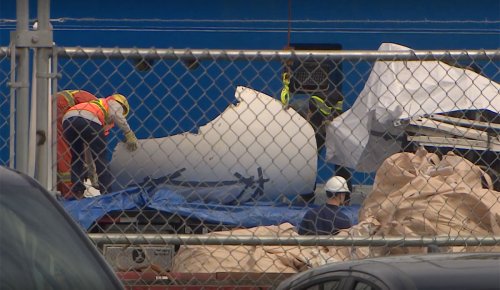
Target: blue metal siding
x: 259, y: 24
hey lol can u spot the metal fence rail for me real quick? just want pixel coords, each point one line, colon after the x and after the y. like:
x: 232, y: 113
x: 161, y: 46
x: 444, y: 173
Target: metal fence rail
x: 214, y: 54
x: 234, y: 240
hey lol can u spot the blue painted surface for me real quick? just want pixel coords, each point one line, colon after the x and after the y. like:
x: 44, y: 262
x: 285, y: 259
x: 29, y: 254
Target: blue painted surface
x: 258, y: 24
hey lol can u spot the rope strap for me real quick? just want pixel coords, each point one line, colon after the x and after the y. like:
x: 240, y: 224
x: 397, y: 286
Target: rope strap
x: 285, y: 92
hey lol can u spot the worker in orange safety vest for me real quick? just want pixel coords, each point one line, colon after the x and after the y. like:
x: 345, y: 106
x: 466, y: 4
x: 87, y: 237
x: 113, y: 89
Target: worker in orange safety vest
x: 89, y: 124
x: 65, y: 100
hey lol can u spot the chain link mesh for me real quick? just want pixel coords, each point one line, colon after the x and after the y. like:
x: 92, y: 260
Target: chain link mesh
x: 224, y: 171
x: 4, y: 107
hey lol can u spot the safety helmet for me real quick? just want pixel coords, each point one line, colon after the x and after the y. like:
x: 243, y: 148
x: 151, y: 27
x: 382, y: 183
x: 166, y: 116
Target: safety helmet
x: 123, y: 101
x: 337, y: 184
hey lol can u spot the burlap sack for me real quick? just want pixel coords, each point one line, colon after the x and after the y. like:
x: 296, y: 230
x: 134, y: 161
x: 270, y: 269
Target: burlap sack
x: 419, y: 195
x: 254, y: 259
x: 211, y: 259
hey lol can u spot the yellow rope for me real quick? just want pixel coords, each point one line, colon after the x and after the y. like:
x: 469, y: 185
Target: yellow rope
x: 322, y: 106
x: 285, y: 92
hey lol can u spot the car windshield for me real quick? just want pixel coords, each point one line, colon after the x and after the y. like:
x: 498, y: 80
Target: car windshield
x: 39, y: 249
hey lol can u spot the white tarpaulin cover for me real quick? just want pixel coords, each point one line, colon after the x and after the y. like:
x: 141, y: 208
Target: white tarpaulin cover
x: 365, y: 135
x: 255, y: 149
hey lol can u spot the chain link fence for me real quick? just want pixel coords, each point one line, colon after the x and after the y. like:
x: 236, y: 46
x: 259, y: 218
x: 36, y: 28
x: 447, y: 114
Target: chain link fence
x: 234, y: 147
x: 5, y: 64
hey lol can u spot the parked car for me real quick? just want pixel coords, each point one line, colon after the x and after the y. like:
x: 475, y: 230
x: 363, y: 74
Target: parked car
x: 41, y: 247
x: 431, y: 271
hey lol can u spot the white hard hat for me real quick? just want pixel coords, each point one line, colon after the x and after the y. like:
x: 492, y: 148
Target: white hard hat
x: 336, y: 184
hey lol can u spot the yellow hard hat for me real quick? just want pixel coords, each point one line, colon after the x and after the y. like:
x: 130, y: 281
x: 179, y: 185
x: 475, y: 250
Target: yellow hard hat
x: 123, y: 101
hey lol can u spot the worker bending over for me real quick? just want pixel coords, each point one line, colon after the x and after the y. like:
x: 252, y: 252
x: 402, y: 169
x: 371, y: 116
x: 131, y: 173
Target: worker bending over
x: 89, y: 124
x: 65, y: 100
x: 328, y: 219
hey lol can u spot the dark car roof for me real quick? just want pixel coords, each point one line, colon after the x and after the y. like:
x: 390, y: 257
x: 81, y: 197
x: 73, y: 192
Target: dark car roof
x: 26, y: 201
x: 12, y: 178
x: 431, y: 271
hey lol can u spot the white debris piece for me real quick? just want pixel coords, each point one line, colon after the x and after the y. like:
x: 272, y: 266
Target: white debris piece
x: 366, y: 134
x: 256, y: 142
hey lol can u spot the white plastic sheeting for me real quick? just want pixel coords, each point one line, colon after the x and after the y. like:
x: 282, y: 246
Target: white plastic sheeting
x: 365, y: 135
x: 255, y: 146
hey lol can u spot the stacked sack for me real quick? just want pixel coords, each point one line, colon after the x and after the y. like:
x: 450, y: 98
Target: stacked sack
x: 420, y: 195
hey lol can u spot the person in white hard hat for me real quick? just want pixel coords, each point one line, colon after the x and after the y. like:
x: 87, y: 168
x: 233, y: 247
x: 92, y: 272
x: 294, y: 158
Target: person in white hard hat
x: 328, y: 219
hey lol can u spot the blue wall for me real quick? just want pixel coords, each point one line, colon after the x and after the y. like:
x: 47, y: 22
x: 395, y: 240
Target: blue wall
x: 255, y: 24
x: 429, y: 24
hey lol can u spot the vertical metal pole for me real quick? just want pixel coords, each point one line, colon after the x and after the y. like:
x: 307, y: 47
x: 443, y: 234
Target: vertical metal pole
x: 12, y: 127
x: 43, y: 171
x: 54, y: 117
x: 32, y: 152
x: 22, y: 94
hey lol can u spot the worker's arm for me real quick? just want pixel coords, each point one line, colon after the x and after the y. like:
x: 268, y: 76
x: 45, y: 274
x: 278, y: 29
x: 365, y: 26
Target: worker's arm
x: 307, y: 226
x: 116, y: 113
x: 342, y: 221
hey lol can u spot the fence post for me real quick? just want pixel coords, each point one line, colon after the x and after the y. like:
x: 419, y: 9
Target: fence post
x: 20, y: 88
x: 44, y: 167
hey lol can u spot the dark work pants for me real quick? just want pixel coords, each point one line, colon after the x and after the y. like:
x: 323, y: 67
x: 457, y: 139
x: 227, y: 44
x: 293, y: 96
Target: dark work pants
x: 79, y: 132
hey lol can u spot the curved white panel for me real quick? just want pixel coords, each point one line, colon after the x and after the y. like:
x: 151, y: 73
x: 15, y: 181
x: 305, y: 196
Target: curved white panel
x: 257, y: 144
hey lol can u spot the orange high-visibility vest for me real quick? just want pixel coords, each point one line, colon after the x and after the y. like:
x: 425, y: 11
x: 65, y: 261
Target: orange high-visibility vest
x: 74, y: 97
x: 100, y: 109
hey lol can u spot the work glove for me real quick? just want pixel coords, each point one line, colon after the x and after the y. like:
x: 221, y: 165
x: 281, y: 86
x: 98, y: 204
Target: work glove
x: 130, y: 141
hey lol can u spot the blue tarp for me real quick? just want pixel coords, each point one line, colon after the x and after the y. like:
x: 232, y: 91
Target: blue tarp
x: 89, y: 210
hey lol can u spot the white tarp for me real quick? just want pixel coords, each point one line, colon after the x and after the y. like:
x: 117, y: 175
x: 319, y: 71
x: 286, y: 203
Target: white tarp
x: 255, y: 147
x: 363, y: 136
